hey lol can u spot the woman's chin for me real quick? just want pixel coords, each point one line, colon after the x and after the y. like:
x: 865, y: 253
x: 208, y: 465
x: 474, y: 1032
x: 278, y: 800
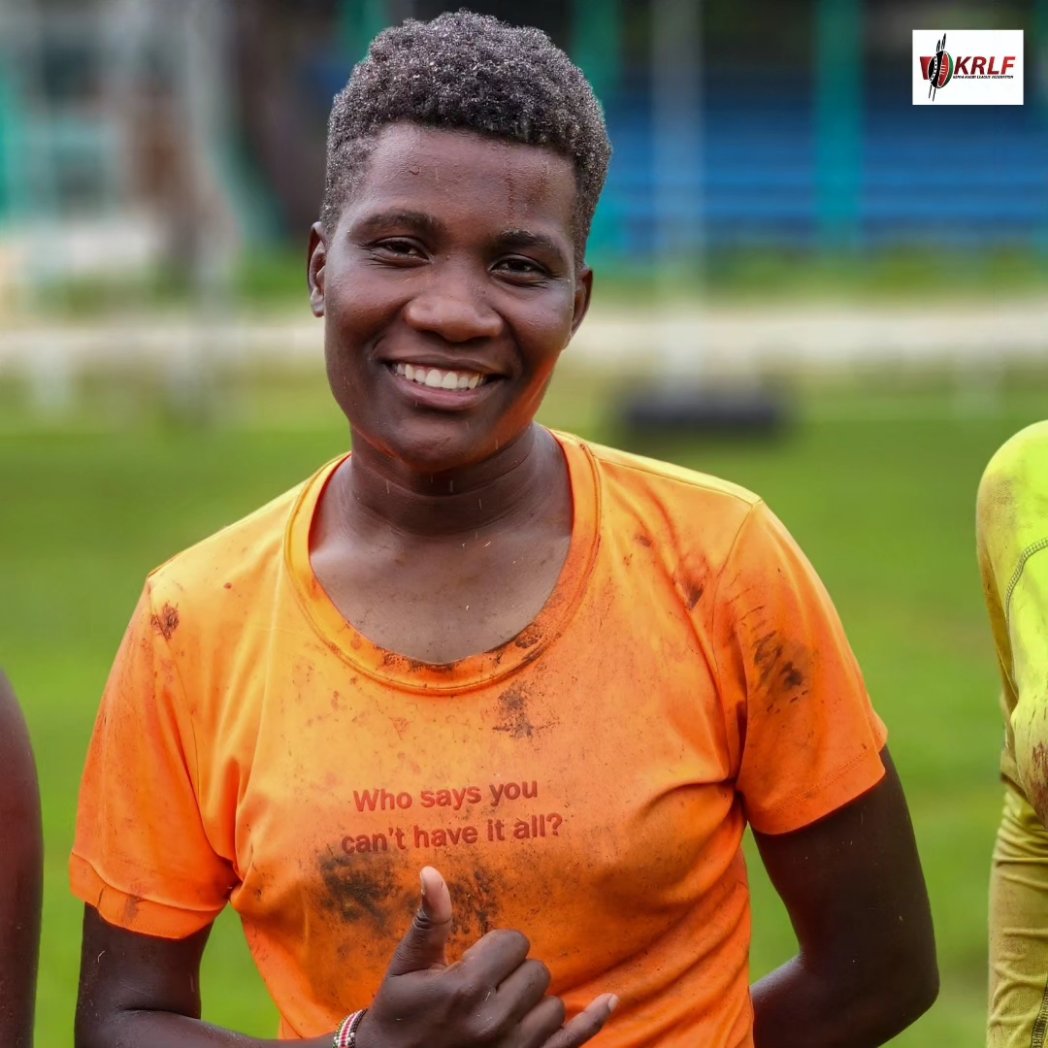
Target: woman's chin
x: 433, y: 457
x: 432, y: 450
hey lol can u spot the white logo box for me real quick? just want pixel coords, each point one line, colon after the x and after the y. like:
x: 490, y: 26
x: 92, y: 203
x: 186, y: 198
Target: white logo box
x: 984, y: 67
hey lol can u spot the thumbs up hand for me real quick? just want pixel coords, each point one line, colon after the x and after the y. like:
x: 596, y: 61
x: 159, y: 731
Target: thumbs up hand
x: 494, y: 996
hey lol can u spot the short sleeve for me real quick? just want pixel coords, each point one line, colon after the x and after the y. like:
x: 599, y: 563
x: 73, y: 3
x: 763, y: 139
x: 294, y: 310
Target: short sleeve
x: 809, y: 739
x: 141, y: 855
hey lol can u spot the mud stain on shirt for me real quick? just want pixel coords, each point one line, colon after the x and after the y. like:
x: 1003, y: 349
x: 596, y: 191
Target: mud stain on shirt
x: 363, y: 889
x: 513, y: 714
x: 166, y: 621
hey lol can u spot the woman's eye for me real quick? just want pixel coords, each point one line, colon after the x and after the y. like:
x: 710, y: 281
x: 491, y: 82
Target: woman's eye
x: 521, y: 267
x: 400, y: 248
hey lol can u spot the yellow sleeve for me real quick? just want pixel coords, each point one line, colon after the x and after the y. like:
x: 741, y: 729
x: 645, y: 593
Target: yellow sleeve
x: 1012, y: 523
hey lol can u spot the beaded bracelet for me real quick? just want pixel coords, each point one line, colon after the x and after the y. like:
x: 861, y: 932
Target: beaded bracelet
x: 347, y: 1032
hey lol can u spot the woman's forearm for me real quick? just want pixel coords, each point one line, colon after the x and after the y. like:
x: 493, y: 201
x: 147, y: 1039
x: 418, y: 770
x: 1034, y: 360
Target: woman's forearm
x: 795, y: 1007
x: 167, y: 1030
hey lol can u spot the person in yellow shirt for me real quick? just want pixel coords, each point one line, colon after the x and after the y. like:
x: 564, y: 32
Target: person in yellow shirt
x: 1012, y: 537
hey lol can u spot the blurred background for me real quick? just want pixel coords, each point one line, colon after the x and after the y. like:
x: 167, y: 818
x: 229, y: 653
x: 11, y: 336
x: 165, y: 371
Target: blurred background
x: 804, y: 283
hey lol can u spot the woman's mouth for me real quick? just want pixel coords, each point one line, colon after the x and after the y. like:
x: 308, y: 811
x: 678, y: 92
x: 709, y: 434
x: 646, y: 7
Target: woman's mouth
x: 439, y: 378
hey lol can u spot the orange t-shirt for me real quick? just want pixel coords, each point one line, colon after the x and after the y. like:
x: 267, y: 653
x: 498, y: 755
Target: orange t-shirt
x: 587, y: 782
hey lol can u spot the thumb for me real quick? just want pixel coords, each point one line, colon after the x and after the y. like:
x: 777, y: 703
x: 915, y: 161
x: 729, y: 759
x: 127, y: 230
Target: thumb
x: 423, y: 945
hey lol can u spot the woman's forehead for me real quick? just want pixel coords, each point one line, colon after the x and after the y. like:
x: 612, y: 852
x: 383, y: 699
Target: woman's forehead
x: 462, y: 170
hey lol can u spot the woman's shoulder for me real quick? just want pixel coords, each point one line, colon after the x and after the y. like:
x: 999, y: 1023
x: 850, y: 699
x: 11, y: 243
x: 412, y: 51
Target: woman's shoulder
x: 1013, y: 492
x: 1023, y: 455
x: 686, y: 514
x: 239, y: 559
x: 642, y: 472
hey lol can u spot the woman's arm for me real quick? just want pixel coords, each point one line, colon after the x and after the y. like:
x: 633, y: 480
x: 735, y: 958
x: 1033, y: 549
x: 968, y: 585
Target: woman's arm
x: 137, y: 990
x: 855, y: 893
x: 140, y: 990
x: 20, y: 881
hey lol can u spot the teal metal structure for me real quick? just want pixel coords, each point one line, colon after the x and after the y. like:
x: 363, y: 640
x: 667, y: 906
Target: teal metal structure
x: 359, y: 21
x: 838, y: 121
x: 596, y: 47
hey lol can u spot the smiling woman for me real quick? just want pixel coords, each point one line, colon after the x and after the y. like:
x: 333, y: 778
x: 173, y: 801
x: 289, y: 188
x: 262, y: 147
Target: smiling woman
x: 453, y: 256
x: 567, y: 676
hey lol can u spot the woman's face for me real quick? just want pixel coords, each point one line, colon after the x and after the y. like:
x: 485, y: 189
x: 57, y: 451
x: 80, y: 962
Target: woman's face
x: 449, y: 288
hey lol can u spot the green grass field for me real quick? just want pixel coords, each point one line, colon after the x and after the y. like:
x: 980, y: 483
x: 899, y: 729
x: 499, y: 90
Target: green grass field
x: 877, y: 485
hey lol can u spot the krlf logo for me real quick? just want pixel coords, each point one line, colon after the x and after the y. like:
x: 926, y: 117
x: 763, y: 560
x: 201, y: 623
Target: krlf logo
x: 939, y: 68
x: 982, y: 67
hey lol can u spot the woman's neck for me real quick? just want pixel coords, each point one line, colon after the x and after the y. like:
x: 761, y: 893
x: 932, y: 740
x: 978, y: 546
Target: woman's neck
x: 516, y: 484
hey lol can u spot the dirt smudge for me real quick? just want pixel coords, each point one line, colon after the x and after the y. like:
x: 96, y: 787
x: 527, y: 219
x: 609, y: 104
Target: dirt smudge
x: 766, y: 656
x: 363, y: 889
x: 783, y: 675
x: 418, y: 666
x: 528, y: 637
x: 131, y: 906
x: 691, y: 589
x: 166, y: 621
x: 693, y: 592
x: 513, y: 714
x: 791, y: 676
x: 475, y: 901
x: 1038, y: 786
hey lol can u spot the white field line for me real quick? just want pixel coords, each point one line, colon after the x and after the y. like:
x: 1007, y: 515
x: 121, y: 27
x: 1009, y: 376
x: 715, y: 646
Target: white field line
x: 717, y: 338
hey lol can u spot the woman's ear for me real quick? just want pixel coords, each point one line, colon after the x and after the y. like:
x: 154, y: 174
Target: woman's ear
x: 315, y: 261
x: 583, y: 293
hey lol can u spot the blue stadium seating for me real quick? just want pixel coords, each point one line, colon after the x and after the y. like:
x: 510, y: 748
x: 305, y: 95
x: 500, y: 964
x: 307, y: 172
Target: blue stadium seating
x: 925, y: 175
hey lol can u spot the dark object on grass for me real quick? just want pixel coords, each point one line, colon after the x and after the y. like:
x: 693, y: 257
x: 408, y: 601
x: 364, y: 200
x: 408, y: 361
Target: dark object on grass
x: 727, y: 412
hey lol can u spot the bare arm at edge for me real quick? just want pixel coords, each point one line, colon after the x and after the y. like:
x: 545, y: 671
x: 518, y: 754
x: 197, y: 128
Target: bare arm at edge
x: 142, y: 990
x: 21, y: 879
x: 853, y: 887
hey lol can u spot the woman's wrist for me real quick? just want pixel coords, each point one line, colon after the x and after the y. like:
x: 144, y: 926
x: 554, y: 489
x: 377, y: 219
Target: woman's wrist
x: 346, y: 1036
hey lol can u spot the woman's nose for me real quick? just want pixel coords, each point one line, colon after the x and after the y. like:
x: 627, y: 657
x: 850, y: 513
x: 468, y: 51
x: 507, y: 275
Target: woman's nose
x: 453, y: 305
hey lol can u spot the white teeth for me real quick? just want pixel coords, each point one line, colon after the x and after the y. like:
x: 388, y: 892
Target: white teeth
x: 437, y: 379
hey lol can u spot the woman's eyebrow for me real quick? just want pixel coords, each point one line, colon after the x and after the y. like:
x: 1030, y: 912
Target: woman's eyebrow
x: 524, y: 238
x: 383, y: 220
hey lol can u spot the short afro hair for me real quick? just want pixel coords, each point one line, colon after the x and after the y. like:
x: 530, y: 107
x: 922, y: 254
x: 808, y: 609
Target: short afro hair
x: 470, y: 72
